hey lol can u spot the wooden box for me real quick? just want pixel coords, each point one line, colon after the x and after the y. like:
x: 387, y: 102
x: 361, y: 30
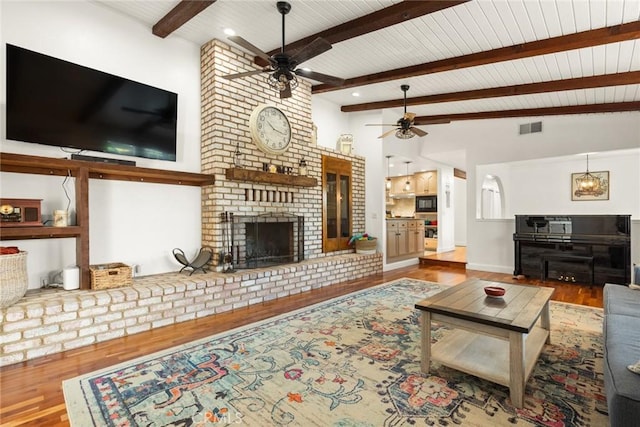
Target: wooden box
x: 106, y: 276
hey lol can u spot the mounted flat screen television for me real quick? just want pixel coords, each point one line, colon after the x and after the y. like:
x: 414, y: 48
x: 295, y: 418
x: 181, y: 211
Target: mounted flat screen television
x: 55, y: 102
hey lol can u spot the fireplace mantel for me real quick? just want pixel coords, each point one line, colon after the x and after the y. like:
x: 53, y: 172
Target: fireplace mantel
x: 240, y: 174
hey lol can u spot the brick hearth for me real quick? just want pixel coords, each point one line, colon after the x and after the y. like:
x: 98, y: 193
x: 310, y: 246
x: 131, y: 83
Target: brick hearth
x: 51, y: 321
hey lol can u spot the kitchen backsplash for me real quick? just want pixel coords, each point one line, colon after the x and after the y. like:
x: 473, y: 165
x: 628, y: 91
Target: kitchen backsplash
x: 403, y: 207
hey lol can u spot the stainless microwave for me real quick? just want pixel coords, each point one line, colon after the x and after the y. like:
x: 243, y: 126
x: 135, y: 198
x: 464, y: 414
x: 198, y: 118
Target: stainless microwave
x: 426, y: 203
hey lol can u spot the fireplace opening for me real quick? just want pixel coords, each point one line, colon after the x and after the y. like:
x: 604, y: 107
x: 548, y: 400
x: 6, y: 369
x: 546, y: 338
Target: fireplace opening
x: 267, y: 240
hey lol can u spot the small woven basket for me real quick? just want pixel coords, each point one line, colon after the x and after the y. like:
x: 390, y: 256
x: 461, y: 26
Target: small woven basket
x: 106, y: 276
x: 366, y: 246
x: 13, y: 278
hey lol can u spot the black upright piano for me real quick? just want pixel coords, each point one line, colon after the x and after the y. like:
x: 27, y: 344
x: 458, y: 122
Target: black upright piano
x: 587, y: 249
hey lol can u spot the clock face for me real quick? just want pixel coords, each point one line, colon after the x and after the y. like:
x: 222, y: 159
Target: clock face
x: 270, y: 129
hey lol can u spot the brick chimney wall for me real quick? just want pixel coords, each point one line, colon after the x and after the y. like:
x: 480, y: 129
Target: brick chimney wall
x: 226, y: 107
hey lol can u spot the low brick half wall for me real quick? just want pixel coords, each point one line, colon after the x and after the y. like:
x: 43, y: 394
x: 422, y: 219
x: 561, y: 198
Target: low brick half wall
x: 51, y: 321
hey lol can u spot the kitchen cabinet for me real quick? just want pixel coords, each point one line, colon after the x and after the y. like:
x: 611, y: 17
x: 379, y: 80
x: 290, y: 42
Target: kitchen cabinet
x: 431, y: 233
x: 415, y: 236
x: 396, y: 238
x: 398, y: 184
x: 404, y: 239
x: 426, y: 183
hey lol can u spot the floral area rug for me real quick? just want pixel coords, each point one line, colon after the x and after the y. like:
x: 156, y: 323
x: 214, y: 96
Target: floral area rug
x: 351, y: 361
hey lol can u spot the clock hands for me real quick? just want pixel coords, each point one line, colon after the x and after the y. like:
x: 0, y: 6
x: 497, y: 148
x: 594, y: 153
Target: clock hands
x: 277, y: 130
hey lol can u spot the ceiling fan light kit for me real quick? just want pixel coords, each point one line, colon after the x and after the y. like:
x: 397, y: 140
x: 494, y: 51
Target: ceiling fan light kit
x: 282, y: 66
x: 405, y: 127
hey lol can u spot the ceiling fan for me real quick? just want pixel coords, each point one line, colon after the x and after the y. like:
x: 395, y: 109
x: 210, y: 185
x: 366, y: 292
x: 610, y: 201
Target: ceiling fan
x: 282, y: 66
x: 405, y: 126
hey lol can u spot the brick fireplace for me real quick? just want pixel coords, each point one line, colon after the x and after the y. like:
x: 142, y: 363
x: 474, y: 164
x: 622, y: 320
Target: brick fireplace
x: 267, y: 240
x: 226, y: 107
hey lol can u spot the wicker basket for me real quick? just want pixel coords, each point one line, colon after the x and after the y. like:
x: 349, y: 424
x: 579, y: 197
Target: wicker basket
x: 106, y: 276
x: 366, y: 246
x: 13, y: 278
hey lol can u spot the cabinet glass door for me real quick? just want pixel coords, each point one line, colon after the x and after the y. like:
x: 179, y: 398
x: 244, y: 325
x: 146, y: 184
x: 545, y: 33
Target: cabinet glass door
x: 336, y: 212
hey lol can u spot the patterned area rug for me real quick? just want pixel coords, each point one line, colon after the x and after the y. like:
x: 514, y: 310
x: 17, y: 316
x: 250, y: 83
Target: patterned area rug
x: 351, y: 361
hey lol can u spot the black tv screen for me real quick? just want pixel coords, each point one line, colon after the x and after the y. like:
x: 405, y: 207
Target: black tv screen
x: 55, y: 102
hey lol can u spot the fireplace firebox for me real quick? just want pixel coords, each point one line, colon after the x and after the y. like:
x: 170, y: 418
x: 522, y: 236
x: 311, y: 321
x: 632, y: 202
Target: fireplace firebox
x: 267, y: 240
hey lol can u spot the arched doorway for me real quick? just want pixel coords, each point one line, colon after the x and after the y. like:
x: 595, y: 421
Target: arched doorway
x: 492, y: 198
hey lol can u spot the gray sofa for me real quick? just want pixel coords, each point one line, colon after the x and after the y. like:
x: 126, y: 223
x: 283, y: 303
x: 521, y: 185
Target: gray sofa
x: 622, y: 348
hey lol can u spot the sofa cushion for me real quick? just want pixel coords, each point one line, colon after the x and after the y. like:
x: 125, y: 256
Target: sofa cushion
x: 620, y: 299
x: 622, y: 348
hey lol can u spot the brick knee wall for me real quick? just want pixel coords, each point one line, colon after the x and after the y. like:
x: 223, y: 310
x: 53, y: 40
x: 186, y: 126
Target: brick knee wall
x: 51, y: 321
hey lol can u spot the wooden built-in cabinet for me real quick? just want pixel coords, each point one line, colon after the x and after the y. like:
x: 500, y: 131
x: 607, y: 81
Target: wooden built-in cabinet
x: 405, y: 239
x: 337, y: 203
x: 82, y: 171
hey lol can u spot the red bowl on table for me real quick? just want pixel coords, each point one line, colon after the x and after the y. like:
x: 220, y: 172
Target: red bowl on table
x: 494, y: 291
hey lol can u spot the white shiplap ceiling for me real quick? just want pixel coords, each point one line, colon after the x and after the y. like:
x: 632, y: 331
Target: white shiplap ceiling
x: 472, y: 27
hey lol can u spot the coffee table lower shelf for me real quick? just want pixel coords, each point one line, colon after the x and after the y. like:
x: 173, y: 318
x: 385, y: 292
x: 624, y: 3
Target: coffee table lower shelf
x: 486, y: 356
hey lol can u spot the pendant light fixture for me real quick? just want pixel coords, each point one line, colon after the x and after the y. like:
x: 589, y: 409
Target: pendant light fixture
x: 588, y: 184
x: 407, y: 185
x: 388, y: 180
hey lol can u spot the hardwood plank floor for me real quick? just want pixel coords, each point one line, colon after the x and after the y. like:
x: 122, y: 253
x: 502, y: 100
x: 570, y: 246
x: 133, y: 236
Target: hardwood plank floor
x: 31, y: 392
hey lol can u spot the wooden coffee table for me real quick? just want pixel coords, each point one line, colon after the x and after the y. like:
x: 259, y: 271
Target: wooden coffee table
x: 498, y: 339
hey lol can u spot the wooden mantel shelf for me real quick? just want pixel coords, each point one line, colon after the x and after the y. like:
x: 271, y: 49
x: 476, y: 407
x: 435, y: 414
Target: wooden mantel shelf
x: 10, y: 162
x: 239, y: 174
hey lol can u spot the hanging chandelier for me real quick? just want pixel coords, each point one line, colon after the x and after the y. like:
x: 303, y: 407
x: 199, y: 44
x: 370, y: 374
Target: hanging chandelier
x: 388, y: 181
x: 407, y: 185
x: 588, y: 184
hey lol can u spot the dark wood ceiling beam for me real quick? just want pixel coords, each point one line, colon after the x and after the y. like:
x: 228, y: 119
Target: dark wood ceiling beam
x: 618, y: 79
x: 614, y: 107
x: 179, y: 15
x: 616, y: 33
x: 383, y: 18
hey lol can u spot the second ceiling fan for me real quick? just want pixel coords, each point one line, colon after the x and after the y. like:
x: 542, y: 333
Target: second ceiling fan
x: 283, y: 66
x: 405, y: 127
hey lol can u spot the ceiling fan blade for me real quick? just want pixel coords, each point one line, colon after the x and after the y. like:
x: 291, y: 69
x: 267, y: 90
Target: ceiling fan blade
x: 380, y: 124
x: 286, y: 93
x: 314, y: 48
x: 387, y: 133
x: 324, y: 78
x: 432, y: 122
x: 417, y: 131
x: 409, y: 116
x: 245, y: 44
x: 245, y: 74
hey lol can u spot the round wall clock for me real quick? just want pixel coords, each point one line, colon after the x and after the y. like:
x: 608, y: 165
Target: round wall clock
x: 270, y: 129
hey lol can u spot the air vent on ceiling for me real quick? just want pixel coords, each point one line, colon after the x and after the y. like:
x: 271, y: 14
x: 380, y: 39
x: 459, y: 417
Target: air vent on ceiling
x: 530, y: 128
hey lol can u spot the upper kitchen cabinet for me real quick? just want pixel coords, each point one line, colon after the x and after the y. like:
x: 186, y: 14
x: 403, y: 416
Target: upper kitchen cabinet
x: 426, y: 183
x: 402, y: 186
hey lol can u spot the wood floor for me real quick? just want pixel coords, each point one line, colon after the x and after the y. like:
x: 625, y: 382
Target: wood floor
x: 31, y: 393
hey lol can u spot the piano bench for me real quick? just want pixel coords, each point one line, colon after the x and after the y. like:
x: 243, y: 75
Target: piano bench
x: 544, y: 264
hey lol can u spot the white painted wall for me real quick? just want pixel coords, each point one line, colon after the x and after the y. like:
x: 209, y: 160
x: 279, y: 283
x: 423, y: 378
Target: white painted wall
x: 129, y: 222
x: 552, y: 179
x: 330, y: 121
x: 460, y: 213
x: 446, y: 209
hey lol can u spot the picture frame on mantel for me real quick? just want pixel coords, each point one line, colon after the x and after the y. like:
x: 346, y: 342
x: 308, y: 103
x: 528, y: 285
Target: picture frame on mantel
x: 601, y: 194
